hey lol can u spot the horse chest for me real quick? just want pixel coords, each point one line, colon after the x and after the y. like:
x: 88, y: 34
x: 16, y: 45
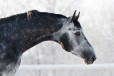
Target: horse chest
x: 8, y: 61
x: 10, y: 69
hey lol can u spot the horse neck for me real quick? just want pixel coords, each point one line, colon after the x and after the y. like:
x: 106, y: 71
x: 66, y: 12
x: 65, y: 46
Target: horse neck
x: 29, y: 32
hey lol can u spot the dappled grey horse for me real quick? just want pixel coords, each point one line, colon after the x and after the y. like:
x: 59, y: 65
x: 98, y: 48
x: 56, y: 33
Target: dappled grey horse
x: 20, y: 32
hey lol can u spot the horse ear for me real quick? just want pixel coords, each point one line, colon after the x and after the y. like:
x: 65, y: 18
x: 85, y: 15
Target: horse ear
x: 73, y: 17
x: 76, y: 18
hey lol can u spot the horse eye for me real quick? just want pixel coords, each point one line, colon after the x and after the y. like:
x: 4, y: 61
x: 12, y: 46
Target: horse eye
x: 77, y: 33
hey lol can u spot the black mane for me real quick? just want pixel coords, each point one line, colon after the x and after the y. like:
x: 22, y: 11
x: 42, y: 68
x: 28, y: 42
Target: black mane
x: 35, y: 13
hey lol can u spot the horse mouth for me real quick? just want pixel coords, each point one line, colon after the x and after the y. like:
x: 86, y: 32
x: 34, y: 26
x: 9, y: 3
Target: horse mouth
x: 88, y: 62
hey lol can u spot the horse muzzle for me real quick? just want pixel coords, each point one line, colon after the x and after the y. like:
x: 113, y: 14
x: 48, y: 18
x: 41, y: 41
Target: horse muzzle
x: 90, y: 61
x: 89, y: 57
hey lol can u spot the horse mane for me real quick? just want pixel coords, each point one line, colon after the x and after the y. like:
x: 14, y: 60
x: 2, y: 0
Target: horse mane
x: 28, y: 15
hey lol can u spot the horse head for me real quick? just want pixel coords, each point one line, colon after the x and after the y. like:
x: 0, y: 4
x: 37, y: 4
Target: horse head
x: 72, y: 39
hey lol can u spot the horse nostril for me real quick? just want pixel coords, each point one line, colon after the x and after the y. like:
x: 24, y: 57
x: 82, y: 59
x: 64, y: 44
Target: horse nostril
x: 94, y: 58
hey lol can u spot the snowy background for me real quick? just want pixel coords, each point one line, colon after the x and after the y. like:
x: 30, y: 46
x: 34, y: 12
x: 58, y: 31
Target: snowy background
x: 97, y: 20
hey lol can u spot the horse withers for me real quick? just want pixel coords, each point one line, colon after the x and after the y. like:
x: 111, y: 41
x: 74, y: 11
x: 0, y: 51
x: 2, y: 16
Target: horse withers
x: 20, y: 32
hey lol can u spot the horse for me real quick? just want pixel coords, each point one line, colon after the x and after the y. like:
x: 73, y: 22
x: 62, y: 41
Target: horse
x: 20, y: 32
